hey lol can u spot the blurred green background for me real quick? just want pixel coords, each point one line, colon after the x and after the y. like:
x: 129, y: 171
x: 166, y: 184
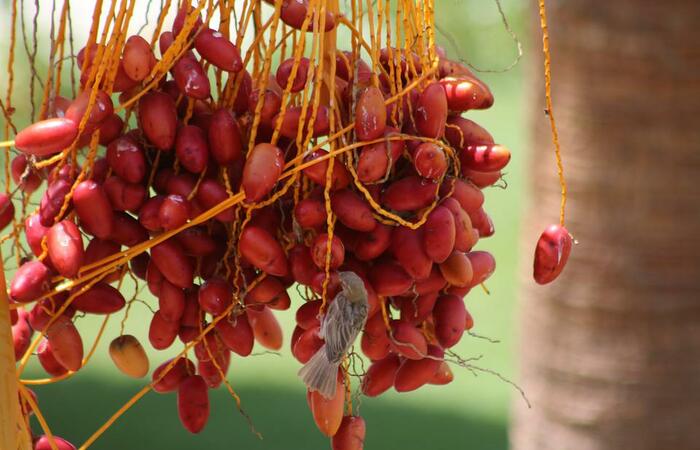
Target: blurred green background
x: 471, y: 412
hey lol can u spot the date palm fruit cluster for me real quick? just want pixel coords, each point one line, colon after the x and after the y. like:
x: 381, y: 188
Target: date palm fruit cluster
x: 221, y: 183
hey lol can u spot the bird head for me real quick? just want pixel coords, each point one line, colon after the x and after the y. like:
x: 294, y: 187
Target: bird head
x: 353, y: 287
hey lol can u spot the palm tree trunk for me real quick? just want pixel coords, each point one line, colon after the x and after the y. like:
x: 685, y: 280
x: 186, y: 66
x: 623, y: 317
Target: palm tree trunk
x: 610, y: 352
x: 13, y: 432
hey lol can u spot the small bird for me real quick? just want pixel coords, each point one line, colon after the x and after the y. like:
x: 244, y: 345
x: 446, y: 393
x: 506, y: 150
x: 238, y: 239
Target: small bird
x: 345, y: 318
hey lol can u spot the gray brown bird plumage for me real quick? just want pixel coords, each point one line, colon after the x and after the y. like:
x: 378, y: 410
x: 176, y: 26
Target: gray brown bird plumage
x: 344, y: 319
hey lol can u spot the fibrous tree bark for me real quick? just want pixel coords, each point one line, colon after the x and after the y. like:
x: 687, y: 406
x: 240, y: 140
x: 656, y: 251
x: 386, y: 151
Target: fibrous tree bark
x: 610, y: 352
x: 13, y: 431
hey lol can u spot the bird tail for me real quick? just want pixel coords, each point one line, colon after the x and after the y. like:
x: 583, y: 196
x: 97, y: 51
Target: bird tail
x: 320, y: 375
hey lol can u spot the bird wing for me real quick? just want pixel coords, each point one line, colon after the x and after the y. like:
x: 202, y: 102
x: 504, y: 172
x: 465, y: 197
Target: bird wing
x: 339, y: 328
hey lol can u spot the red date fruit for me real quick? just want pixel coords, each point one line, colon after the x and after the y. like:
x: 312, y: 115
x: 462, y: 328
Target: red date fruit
x: 380, y: 375
x: 293, y: 123
x: 340, y: 177
x: 465, y: 93
x: 464, y: 231
x: 370, y: 114
x: 409, y: 194
x: 101, y: 109
x: 390, y: 279
x: 193, y: 403
x: 482, y: 223
x: 263, y: 251
x: 431, y: 111
x: 352, y: 210
x: 482, y: 179
x: 172, y: 262
x: 307, y: 314
x: 138, y: 58
x: 34, y: 232
x: 66, y: 343
x: 372, y: 244
x: 262, y: 169
x: 24, y: 175
x: 47, y: 359
x: 321, y: 247
x: 191, y: 78
x: 161, y: 333
x: 415, y: 373
x: 174, y: 212
x: 377, y: 159
x: 124, y: 196
x: 430, y: 161
x: 433, y: 283
x: 218, y: 50
x: 21, y: 335
x: 7, y: 210
x: 158, y: 119
x: 307, y: 345
x: 127, y: 231
x: 293, y: 13
x: 271, y: 105
x: 215, y: 295
x: 237, y: 335
x: 350, y: 435
x: 449, y: 315
x: 328, y: 413
x: 30, y: 281
x: 439, y: 234
x: 65, y: 248
x: 196, y: 241
x: 191, y: 148
x: 169, y: 381
x: 407, y: 247
x: 407, y: 340
x: 93, y: 208
x: 443, y: 375
x: 284, y: 72
x: 457, y: 270
x: 225, y: 141
x: 416, y: 309
x: 210, y: 194
x: 461, y: 132
x: 44, y: 443
x: 101, y: 298
x: 266, y: 328
x: 186, y: 9
x: 470, y: 198
x: 266, y: 291
x: 551, y: 254
x: 483, y: 265
x: 484, y: 157
x: 310, y: 213
x: 52, y: 201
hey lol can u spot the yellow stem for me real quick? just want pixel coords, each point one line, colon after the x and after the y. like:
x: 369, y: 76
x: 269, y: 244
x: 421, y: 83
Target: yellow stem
x: 550, y: 108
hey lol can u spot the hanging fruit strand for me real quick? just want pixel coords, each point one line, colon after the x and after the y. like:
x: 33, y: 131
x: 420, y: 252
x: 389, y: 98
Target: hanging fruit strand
x: 555, y: 243
x: 550, y: 108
